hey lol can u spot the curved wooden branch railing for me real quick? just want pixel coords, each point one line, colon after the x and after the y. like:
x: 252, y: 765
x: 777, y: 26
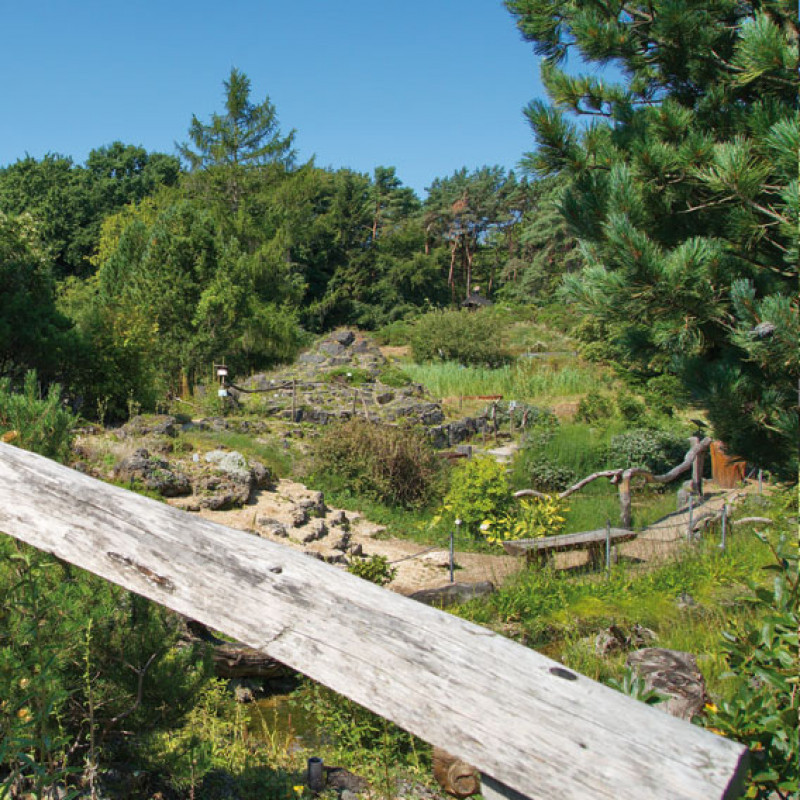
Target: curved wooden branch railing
x: 694, y: 460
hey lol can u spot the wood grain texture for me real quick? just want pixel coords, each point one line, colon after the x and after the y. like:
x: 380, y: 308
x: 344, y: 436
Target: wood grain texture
x: 516, y: 715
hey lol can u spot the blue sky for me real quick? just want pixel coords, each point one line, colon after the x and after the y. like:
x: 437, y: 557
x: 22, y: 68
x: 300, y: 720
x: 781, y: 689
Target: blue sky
x: 427, y: 86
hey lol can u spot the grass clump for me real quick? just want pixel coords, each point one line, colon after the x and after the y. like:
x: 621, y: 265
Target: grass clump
x: 395, y: 377
x: 392, y: 465
x: 352, y: 375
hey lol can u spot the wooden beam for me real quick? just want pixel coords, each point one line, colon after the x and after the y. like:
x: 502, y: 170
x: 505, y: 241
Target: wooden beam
x: 567, y: 541
x: 532, y: 725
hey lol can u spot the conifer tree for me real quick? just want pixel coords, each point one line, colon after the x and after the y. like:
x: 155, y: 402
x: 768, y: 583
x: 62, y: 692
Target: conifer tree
x: 684, y: 193
x: 232, y: 146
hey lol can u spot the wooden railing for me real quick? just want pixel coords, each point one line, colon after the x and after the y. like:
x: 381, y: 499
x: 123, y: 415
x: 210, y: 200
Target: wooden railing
x: 533, y: 727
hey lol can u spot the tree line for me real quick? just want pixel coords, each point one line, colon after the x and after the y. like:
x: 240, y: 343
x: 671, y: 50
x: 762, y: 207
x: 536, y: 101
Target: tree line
x: 662, y: 206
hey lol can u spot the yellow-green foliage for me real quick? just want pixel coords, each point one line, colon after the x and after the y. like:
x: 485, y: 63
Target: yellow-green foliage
x: 479, y: 490
x: 540, y: 516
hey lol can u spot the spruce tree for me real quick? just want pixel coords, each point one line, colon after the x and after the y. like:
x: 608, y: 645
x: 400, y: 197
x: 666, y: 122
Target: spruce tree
x: 684, y: 194
x: 233, y: 146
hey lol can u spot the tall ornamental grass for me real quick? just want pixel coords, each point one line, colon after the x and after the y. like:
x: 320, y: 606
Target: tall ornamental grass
x: 522, y: 381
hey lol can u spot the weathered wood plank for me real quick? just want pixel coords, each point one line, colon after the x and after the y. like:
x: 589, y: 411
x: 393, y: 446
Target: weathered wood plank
x: 566, y: 541
x: 519, y: 717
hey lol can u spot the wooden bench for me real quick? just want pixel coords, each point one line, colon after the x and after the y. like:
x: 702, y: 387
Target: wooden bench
x: 542, y: 550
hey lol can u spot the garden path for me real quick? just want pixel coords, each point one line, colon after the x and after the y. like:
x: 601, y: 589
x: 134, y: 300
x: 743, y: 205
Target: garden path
x: 420, y: 567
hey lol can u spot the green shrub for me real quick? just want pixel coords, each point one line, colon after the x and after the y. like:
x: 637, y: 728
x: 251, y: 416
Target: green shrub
x: 479, y: 490
x: 394, y: 377
x: 352, y: 375
x: 375, y: 569
x: 468, y: 337
x: 394, y: 465
x: 535, y: 419
x: 532, y: 519
x: 594, y: 407
x: 630, y: 407
x: 547, y: 476
x: 36, y: 423
x: 764, y: 665
x: 655, y: 450
x: 395, y: 334
x: 665, y: 393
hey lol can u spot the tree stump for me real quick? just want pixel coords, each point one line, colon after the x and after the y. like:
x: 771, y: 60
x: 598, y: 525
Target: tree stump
x: 455, y: 776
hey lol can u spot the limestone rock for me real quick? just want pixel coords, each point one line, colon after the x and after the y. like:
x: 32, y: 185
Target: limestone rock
x: 270, y: 526
x: 299, y: 517
x: 317, y: 529
x: 339, y: 519
x: 154, y: 473
x: 453, y: 593
x: 344, y: 338
x: 157, y: 425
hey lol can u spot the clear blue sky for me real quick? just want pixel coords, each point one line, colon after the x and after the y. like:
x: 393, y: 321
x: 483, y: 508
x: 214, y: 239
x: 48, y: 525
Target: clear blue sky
x: 427, y: 86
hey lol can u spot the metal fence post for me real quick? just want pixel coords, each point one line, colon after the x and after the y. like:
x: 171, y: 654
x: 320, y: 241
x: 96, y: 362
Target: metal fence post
x: 724, y: 524
x: 453, y: 551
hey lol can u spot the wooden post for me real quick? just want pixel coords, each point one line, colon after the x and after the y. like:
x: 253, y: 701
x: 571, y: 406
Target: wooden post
x: 608, y: 546
x: 355, y: 402
x: 534, y: 726
x: 690, y: 525
x: 697, y: 470
x: 724, y: 524
x: 294, y: 400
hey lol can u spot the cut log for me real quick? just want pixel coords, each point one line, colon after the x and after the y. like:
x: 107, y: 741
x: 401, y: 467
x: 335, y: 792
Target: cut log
x: 455, y: 776
x: 234, y: 660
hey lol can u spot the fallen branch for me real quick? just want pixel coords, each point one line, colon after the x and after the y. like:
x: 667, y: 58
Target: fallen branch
x: 752, y: 521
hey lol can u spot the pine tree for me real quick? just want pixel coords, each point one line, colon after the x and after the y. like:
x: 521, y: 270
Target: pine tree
x: 684, y: 194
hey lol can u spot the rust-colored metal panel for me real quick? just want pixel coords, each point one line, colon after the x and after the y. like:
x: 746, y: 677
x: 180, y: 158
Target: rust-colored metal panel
x: 726, y: 469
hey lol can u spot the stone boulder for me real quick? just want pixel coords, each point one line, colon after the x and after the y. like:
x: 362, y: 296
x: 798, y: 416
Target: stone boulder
x: 270, y: 526
x: 153, y: 473
x: 156, y: 425
x: 316, y: 529
x: 674, y: 674
x: 230, y: 481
